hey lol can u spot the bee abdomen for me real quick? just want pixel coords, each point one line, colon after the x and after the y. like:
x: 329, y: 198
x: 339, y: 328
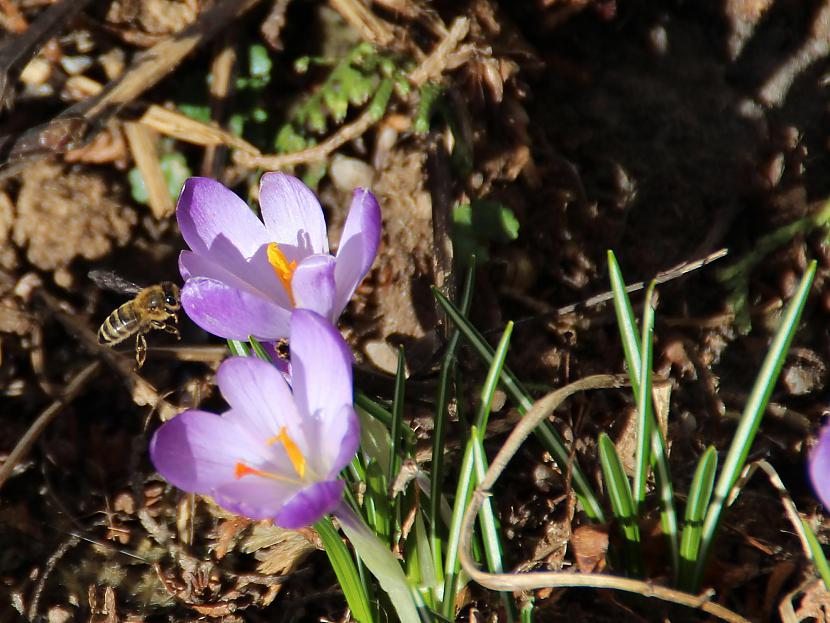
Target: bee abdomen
x: 119, y: 325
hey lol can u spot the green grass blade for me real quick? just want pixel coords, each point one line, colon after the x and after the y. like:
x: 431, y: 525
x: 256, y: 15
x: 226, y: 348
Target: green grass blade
x: 659, y: 461
x: 397, y: 418
x: 546, y: 434
x: 426, y: 568
x: 345, y: 570
x: 665, y: 490
x: 645, y: 416
x: 258, y: 350
x: 490, y: 529
x: 377, y: 501
x: 699, y: 495
x: 448, y: 366
x: 626, y: 322
x: 463, y: 494
x: 817, y: 554
x: 491, y: 381
x: 622, y: 503
x: 751, y: 418
x: 527, y: 611
x: 375, y: 554
x: 464, y: 490
x: 238, y: 348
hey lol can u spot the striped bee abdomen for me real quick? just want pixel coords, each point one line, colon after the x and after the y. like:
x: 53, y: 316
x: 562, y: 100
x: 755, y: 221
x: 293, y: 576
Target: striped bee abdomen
x: 119, y: 325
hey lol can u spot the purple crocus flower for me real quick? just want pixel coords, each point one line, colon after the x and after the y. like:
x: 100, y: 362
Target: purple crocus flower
x: 820, y: 467
x: 243, y: 277
x: 277, y: 452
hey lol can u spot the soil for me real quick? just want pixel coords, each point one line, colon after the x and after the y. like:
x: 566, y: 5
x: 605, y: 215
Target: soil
x: 662, y: 131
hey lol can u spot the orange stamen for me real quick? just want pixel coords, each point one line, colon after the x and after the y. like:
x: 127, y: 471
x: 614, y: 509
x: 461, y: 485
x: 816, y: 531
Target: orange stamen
x: 243, y: 470
x: 282, y: 267
x: 294, y: 453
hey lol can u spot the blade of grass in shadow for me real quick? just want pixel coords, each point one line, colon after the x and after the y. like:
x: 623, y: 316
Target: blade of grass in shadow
x: 549, y: 438
x: 699, y: 495
x: 238, y: 348
x: 817, y: 554
x: 395, y: 510
x: 622, y: 503
x: 645, y: 416
x: 464, y: 490
x: 373, y: 408
x: 437, y: 533
x: 379, y: 412
x: 345, y: 570
x: 490, y: 529
x: 751, y: 419
x: 397, y: 418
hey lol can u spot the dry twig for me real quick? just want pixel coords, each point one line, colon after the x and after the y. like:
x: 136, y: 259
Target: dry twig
x: 371, y: 28
x: 143, y: 150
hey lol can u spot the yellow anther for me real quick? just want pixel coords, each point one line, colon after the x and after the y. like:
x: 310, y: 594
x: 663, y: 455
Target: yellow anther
x: 294, y: 453
x: 282, y: 267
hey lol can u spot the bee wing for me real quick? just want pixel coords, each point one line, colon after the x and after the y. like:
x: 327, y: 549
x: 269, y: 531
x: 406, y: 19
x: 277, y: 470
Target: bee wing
x: 109, y: 280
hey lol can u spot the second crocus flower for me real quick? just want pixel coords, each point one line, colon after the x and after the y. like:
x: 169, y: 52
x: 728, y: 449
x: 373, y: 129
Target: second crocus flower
x: 277, y: 452
x: 243, y: 276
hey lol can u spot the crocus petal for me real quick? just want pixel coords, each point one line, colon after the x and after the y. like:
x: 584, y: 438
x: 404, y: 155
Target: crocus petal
x: 197, y: 451
x: 253, y: 275
x: 254, y: 497
x: 292, y: 213
x: 233, y: 313
x: 313, y: 285
x: 321, y: 366
x: 341, y: 439
x: 358, y: 245
x: 260, y: 398
x: 310, y: 504
x: 213, y: 219
x: 820, y: 467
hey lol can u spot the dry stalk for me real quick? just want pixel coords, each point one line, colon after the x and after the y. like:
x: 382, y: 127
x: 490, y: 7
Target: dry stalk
x: 181, y: 127
x: 346, y: 133
x: 436, y: 63
x: 359, y: 17
x: 221, y: 71
x: 143, y: 150
x: 539, y: 412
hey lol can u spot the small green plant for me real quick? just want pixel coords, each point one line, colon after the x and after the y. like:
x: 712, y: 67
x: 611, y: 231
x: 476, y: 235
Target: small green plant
x: 476, y: 225
x: 364, y: 76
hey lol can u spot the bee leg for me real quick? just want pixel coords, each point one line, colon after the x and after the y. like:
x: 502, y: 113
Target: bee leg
x: 140, y: 349
x: 169, y: 328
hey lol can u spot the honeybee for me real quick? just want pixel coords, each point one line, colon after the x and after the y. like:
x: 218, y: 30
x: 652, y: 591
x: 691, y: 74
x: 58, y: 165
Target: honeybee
x: 153, y: 307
